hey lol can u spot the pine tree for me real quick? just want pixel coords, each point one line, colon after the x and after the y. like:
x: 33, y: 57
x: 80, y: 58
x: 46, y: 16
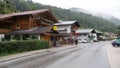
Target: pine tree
x: 6, y: 7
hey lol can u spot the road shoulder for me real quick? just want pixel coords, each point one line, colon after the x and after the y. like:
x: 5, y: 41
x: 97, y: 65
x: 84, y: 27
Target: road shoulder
x: 113, y: 54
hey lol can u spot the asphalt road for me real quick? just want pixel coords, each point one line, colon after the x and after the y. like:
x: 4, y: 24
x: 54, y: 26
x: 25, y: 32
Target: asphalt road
x: 39, y: 60
x: 91, y: 55
x: 87, y: 55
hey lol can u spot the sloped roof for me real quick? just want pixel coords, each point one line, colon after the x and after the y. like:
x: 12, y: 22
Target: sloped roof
x: 4, y: 16
x: 23, y: 13
x: 84, y: 31
x: 67, y: 23
x: 97, y: 31
x: 87, y: 31
x: 37, y: 30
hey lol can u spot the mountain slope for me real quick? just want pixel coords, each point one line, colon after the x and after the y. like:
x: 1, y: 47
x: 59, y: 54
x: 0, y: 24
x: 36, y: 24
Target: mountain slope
x: 85, y: 20
x: 113, y: 19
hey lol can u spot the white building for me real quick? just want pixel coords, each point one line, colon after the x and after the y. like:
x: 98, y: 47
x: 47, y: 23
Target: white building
x: 67, y: 26
x: 87, y: 35
x: 111, y: 35
x: 67, y: 29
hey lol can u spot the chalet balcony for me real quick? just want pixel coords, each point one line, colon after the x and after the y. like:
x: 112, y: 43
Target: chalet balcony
x: 2, y: 31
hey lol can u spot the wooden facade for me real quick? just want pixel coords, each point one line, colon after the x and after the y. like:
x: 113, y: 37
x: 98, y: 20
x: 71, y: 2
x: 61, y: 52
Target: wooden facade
x: 2, y: 31
x: 26, y: 21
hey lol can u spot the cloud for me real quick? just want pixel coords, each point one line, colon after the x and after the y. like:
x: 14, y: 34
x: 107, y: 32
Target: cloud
x: 104, y: 6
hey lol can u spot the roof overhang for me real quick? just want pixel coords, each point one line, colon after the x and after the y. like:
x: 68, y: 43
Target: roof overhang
x: 7, y: 16
x: 37, y: 30
x: 68, y: 23
x: 88, y: 31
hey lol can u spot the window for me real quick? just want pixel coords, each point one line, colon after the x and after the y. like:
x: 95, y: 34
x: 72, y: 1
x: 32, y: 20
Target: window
x: 37, y: 17
x: 65, y: 29
x: 84, y: 34
x: 18, y: 26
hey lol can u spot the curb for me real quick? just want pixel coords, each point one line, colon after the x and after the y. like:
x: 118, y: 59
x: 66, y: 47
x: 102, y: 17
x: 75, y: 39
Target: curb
x: 13, y: 58
x: 26, y: 54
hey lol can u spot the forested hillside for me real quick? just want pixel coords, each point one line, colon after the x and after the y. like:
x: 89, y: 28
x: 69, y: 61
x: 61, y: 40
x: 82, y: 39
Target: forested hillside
x: 85, y: 20
x: 114, y: 20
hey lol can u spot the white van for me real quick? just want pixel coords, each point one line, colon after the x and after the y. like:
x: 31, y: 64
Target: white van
x: 82, y: 40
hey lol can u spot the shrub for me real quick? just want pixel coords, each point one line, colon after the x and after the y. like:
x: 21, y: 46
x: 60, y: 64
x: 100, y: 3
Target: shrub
x: 10, y: 47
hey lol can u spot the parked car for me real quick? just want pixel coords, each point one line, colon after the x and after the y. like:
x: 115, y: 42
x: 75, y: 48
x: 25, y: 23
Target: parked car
x: 82, y: 40
x: 115, y: 43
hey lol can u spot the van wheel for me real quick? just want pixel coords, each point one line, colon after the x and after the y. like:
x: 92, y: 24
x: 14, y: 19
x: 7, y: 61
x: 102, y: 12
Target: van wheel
x: 115, y: 45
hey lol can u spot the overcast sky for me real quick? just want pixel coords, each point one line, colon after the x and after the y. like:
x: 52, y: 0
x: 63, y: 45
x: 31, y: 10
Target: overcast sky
x: 110, y: 7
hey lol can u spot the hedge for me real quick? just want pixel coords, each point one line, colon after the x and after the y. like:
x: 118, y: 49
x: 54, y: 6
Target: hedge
x: 11, y: 47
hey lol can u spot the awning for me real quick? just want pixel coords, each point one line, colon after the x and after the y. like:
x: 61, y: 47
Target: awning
x: 64, y: 34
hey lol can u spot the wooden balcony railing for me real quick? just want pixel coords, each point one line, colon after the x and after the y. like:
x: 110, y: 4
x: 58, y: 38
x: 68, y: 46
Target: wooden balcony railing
x: 2, y: 31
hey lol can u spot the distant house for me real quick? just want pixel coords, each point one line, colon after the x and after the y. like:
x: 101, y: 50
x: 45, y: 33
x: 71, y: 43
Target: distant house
x: 88, y: 35
x: 111, y: 35
x: 67, y: 29
x: 37, y: 23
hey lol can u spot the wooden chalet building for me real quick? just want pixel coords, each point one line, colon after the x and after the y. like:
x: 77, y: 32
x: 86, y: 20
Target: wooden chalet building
x: 37, y: 22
